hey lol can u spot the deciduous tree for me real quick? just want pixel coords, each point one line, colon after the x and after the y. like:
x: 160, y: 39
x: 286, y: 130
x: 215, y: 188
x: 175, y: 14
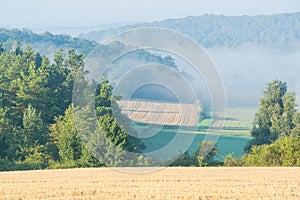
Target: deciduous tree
x: 275, y: 117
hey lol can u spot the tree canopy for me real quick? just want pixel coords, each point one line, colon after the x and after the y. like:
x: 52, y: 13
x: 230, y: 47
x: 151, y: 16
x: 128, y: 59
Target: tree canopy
x: 37, y: 129
x: 276, y: 116
x: 45, y: 43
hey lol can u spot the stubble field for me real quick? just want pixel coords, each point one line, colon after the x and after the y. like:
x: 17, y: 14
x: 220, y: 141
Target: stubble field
x: 166, y: 183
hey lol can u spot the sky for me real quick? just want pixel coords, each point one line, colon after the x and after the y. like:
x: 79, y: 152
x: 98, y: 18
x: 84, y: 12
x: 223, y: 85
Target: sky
x: 75, y: 13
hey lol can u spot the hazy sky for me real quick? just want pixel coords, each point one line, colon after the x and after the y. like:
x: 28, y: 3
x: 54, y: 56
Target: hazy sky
x: 55, y: 13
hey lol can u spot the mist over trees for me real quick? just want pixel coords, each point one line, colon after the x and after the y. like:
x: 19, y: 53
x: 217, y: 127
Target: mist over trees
x: 240, y: 46
x: 279, y: 31
x: 45, y: 43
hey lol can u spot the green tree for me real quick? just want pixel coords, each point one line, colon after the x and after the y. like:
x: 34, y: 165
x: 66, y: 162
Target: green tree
x: 289, y: 115
x: 61, y: 80
x: 11, y: 65
x: 296, y: 130
x: 35, y: 132
x: 31, y: 89
x: 104, y: 137
x: 275, y: 117
x: 72, y: 151
x: 66, y: 138
x: 103, y: 101
x: 7, y: 136
x: 108, y: 124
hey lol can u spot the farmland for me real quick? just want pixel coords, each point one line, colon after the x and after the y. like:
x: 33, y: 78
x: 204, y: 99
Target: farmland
x: 161, y: 112
x: 235, y: 133
x: 226, y: 143
x: 237, y: 121
x: 167, y: 183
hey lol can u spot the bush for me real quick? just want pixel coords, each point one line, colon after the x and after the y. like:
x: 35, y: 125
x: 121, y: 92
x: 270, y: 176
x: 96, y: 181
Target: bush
x: 230, y: 161
x: 283, y: 152
x: 6, y: 165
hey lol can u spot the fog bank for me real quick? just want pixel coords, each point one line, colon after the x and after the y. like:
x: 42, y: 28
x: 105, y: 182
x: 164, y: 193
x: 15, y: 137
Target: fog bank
x: 246, y: 71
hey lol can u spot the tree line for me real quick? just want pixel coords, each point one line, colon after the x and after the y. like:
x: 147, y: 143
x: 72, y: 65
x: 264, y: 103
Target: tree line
x: 45, y: 43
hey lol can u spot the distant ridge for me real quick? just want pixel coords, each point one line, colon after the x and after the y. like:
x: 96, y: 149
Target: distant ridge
x: 45, y: 43
x: 278, y: 31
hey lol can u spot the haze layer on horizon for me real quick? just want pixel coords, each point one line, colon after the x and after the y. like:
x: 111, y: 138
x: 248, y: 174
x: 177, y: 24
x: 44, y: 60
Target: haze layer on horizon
x: 67, y: 13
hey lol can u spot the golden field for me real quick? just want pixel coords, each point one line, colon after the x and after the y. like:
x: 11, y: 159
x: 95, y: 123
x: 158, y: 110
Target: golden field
x: 161, y: 112
x: 166, y: 183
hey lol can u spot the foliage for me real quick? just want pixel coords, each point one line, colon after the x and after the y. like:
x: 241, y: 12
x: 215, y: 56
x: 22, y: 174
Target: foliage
x: 231, y: 161
x: 45, y: 43
x: 185, y: 160
x: 203, y: 156
x: 37, y: 129
x: 276, y: 115
x: 278, y: 31
x: 66, y: 138
x: 110, y: 143
x: 283, y: 152
x: 33, y: 93
x: 275, y: 130
x: 34, y: 130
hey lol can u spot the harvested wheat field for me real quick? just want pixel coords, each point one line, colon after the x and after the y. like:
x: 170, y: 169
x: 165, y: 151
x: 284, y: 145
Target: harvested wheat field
x: 166, y: 183
x: 161, y: 112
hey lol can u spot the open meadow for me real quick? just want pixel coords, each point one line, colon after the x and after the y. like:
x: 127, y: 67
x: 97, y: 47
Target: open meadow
x: 166, y: 183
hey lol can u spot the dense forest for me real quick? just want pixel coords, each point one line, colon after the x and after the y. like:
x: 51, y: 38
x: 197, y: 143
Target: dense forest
x: 279, y: 31
x: 37, y: 128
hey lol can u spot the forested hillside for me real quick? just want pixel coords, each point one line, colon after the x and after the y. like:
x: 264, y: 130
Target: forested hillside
x: 280, y: 31
x: 45, y: 43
